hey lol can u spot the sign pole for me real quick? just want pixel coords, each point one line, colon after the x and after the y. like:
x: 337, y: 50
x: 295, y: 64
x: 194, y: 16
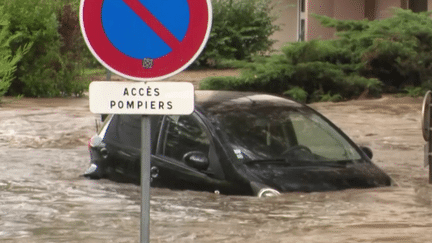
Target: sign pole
x: 429, y: 160
x: 427, y: 132
x: 108, y: 75
x: 145, y: 178
x: 166, y: 44
x: 146, y: 40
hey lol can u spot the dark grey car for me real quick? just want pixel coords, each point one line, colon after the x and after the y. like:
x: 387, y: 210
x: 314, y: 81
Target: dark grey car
x: 237, y: 143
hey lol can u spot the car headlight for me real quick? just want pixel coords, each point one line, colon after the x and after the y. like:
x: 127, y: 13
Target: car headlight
x: 268, y: 192
x: 95, y: 141
x: 91, y: 169
x: 261, y: 190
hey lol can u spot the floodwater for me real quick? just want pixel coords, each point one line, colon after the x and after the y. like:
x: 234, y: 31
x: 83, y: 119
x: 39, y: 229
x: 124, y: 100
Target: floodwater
x: 44, y: 198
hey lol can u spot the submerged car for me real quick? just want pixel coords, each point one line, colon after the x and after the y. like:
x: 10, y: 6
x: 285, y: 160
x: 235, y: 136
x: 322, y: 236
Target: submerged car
x: 236, y: 143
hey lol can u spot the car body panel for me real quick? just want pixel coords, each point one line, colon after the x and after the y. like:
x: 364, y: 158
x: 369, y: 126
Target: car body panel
x: 233, y: 167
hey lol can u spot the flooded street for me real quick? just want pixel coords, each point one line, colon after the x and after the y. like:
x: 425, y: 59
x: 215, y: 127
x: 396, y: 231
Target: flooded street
x: 44, y: 198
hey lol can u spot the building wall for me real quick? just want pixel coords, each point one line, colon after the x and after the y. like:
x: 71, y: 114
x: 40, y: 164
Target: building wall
x: 384, y: 8
x: 349, y: 9
x: 314, y: 30
x: 370, y: 9
x: 340, y: 9
x: 346, y: 9
x: 287, y: 12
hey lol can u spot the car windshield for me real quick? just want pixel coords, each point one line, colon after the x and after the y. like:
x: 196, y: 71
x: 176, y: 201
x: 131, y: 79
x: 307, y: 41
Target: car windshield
x: 283, y: 133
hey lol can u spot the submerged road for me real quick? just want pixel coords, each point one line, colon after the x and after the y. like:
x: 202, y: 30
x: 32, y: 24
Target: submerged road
x: 44, y: 198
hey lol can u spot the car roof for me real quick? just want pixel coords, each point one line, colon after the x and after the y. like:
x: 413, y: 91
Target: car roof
x: 209, y: 98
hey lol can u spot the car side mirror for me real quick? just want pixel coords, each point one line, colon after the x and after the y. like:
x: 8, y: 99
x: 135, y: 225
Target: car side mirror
x: 103, y: 117
x: 367, y: 151
x: 197, y: 160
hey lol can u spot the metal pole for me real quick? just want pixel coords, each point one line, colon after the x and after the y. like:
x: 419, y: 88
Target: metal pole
x: 108, y: 75
x: 427, y: 131
x: 145, y: 178
x: 429, y: 141
x: 429, y: 144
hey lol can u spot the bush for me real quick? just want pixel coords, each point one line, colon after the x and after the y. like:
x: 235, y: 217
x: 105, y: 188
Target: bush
x: 224, y: 83
x: 396, y: 50
x: 366, y: 58
x: 415, y: 91
x: 7, y: 60
x: 297, y: 94
x: 301, y: 75
x: 317, y: 50
x: 53, y: 63
x: 240, y: 29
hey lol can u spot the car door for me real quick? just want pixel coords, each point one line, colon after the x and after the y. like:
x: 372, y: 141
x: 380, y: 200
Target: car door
x: 180, y: 137
x: 123, y: 143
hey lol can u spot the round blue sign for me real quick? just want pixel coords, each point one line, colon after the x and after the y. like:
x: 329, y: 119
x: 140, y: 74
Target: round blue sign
x: 133, y: 37
x: 146, y: 40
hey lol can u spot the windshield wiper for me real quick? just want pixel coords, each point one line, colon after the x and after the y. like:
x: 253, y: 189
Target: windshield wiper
x: 272, y: 161
x: 332, y: 164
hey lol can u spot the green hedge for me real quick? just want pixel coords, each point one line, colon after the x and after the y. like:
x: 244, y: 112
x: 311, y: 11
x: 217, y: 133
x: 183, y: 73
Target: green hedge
x: 8, y: 60
x: 306, y: 71
x: 240, y: 29
x: 53, y: 64
x: 396, y: 50
x: 366, y: 58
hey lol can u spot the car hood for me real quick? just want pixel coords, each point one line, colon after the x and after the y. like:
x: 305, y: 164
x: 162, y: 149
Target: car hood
x: 312, y: 178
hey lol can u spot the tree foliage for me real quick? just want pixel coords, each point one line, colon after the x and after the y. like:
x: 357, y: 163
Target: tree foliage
x: 240, y: 29
x: 8, y: 60
x: 306, y: 71
x: 365, y: 58
x: 396, y: 50
x: 53, y: 64
x: 58, y: 55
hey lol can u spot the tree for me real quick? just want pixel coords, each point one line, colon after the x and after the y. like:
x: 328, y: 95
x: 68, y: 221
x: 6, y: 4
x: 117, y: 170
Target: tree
x: 7, y: 60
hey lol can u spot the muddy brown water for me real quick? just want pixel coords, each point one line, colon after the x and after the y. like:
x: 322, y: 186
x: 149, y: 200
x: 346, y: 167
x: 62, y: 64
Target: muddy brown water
x: 44, y: 198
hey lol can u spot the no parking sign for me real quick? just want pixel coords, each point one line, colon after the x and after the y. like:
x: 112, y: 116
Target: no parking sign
x: 146, y: 40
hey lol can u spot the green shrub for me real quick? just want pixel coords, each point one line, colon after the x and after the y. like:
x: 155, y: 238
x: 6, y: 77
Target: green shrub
x: 7, y: 59
x: 222, y: 83
x: 312, y: 80
x: 53, y: 63
x: 396, y: 50
x: 367, y: 58
x: 414, y: 91
x: 317, y: 50
x: 331, y: 98
x: 297, y: 94
x: 240, y: 29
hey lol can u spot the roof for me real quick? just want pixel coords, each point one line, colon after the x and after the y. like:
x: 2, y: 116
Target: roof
x: 207, y: 98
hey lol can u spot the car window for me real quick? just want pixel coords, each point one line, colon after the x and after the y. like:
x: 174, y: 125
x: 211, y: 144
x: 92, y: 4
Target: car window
x: 184, y: 134
x: 272, y: 132
x: 125, y: 130
x: 320, y: 139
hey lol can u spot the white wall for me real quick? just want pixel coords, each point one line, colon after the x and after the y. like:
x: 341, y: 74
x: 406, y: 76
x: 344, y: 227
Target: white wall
x: 384, y: 8
x: 288, y: 20
x: 314, y: 29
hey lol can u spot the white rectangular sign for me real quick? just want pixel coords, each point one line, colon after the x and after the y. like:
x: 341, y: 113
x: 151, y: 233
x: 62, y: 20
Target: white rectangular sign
x: 151, y: 98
